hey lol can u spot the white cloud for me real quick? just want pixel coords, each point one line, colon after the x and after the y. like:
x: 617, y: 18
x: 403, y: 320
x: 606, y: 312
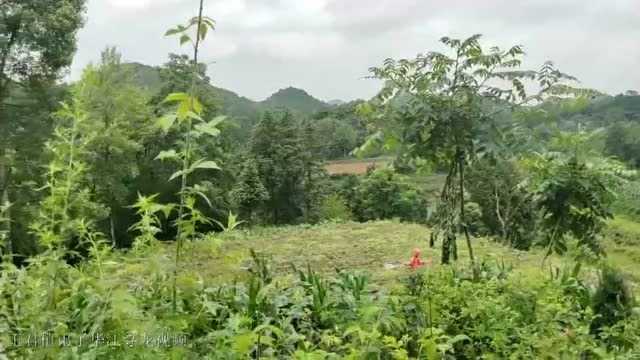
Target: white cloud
x: 129, y: 4
x: 297, y: 46
x: 326, y: 46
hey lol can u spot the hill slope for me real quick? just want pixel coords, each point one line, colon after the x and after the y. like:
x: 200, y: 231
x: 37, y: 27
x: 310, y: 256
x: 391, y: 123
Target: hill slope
x: 296, y: 100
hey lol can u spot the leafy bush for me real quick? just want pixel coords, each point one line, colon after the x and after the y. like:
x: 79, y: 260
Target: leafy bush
x: 574, y: 199
x: 383, y: 194
x: 612, y: 301
x: 628, y: 200
x: 507, y: 210
x: 334, y: 207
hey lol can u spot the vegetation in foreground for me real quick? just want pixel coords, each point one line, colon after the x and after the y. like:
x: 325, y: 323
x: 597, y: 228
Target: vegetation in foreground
x: 278, y: 307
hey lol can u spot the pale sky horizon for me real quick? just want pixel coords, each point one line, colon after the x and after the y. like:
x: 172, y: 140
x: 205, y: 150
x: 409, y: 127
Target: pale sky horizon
x: 326, y: 46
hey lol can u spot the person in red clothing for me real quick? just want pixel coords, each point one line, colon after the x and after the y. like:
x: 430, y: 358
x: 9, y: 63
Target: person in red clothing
x: 415, y: 261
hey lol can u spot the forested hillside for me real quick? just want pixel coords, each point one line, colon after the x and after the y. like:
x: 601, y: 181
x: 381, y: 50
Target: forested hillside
x: 474, y: 208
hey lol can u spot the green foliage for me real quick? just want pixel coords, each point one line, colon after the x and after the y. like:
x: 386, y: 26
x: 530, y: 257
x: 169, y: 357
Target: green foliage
x: 612, y: 303
x: 622, y: 142
x: 178, y: 75
x: 249, y: 193
x: 150, y: 223
x: 383, y: 194
x: 37, y: 42
x: 188, y: 119
x: 285, y: 168
x: 119, y: 118
x: 38, y: 39
x: 335, y: 208
x: 434, y: 108
x: 507, y: 211
x: 436, y: 315
x: 4, y: 234
x: 334, y: 138
x: 574, y: 199
x: 628, y: 199
x: 69, y: 203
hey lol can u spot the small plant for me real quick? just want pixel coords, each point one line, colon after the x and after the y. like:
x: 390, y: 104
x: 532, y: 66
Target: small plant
x: 232, y: 222
x: 150, y: 223
x: 260, y: 268
x: 353, y: 284
x: 335, y: 208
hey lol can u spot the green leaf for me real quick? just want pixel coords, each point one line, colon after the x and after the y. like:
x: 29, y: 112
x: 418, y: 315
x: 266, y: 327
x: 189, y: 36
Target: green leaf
x: 203, y: 31
x: 176, y: 30
x: 167, y: 155
x: 242, y: 343
x: 208, y: 128
x: 197, y: 105
x: 176, y: 97
x: 217, y: 120
x: 194, y: 116
x: 166, y: 122
x: 205, y: 165
x: 176, y: 174
x: 184, y: 39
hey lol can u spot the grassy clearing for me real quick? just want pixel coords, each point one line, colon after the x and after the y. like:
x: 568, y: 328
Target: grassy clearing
x: 364, y: 247
x: 355, y: 166
x: 356, y: 246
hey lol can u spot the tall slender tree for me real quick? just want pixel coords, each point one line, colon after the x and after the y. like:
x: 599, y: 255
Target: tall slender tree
x: 435, y: 106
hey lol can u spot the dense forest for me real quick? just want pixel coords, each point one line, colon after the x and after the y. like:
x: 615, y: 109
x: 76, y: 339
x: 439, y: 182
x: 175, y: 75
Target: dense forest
x: 147, y: 213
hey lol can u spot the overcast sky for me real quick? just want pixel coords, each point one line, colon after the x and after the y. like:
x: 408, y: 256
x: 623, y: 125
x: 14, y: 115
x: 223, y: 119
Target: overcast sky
x: 326, y: 46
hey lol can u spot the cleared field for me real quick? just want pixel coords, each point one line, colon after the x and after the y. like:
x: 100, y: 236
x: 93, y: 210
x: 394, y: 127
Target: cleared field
x: 355, y: 166
x: 378, y: 248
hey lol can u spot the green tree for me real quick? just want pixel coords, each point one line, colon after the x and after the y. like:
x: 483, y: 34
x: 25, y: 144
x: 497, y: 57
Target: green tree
x: 575, y: 199
x: 496, y: 185
x: 433, y: 106
x: 286, y: 167
x: 120, y: 120
x: 181, y: 74
x: 249, y: 194
x: 333, y: 138
x: 37, y: 41
x: 623, y: 142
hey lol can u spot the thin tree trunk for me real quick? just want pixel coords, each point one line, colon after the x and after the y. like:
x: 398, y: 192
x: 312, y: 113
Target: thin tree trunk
x: 463, y: 216
x: 5, y: 201
x: 112, y: 225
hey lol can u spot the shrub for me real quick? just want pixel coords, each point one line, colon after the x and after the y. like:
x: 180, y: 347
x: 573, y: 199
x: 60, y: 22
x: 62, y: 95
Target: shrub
x: 334, y: 207
x: 383, y: 194
x: 628, y: 200
x: 612, y: 301
x: 506, y: 209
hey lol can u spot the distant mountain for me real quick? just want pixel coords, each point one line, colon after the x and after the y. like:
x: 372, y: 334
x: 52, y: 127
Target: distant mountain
x: 247, y: 110
x: 336, y: 102
x: 145, y: 76
x: 294, y: 99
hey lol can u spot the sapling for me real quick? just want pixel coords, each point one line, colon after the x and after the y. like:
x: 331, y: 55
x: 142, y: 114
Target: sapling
x: 187, y: 118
